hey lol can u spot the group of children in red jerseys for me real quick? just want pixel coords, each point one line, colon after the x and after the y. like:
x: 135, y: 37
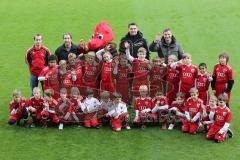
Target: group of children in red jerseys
x: 174, y: 92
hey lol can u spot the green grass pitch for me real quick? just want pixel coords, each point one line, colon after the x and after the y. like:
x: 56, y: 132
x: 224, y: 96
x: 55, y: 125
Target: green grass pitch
x: 204, y: 28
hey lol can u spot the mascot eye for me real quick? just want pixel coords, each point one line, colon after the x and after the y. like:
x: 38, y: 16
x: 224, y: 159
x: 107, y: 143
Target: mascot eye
x: 100, y: 36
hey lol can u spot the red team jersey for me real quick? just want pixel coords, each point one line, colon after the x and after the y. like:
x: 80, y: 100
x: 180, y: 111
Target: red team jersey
x: 37, y: 59
x: 62, y: 108
x: 143, y: 103
x: 193, y: 107
x: 123, y: 74
x: 75, y: 107
x: 172, y: 86
x: 107, y: 79
x: 36, y: 103
x: 106, y: 72
x: 187, y: 74
x: 140, y: 75
x: 223, y: 73
x: 90, y: 73
x: 157, y: 75
x: 160, y: 102
x: 122, y: 82
x: 222, y: 116
x: 52, y: 81
x: 78, y: 69
x: 203, y: 82
x: 66, y: 81
x: 140, y: 69
x: 180, y: 107
x: 22, y: 104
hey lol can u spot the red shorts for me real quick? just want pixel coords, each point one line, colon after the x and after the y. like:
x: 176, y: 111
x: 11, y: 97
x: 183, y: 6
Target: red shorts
x: 190, y: 127
x: 221, y: 88
x: 117, y: 123
x: 51, y: 116
x: 213, y: 133
x: 16, y: 116
x: 36, y: 114
x: 91, y: 120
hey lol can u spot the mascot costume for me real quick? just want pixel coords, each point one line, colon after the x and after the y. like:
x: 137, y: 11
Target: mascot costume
x: 102, y: 37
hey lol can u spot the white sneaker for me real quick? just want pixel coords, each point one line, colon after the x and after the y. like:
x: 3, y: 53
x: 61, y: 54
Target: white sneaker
x: 60, y: 127
x: 128, y: 127
x: 170, y: 127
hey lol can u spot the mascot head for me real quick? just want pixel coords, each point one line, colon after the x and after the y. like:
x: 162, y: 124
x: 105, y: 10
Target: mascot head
x: 101, y: 37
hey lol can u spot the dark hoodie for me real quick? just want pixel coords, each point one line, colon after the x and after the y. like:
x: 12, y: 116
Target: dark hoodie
x: 135, y: 42
x: 165, y: 50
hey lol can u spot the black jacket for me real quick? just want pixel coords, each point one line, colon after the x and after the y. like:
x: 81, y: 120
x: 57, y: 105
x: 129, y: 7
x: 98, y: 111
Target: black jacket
x: 164, y: 49
x: 135, y: 42
x: 62, y: 53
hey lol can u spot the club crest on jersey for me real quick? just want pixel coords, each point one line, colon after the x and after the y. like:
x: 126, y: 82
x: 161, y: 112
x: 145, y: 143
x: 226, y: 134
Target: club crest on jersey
x: 204, y: 79
x: 192, y: 70
x: 224, y: 113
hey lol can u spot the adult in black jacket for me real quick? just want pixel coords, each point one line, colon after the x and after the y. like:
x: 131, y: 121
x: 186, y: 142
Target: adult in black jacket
x: 67, y: 47
x: 166, y: 45
x: 135, y: 39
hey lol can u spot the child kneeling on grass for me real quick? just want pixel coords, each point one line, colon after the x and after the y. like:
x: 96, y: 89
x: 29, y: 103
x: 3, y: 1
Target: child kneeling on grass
x: 220, y: 131
x: 35, y: 106
x: 50, y: 105
x: 90, y: 107
x: 119, y: 114
x: 143, y: 108
x: 176, y: 111
x: 18, y: 109
x: 193, y: 111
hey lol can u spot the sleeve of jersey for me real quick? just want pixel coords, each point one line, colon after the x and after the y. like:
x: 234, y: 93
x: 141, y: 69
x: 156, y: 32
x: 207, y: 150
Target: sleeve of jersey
x: 230, y: 81
x: 43, y: 73
x: 229, y: 117
x: 230, y: 74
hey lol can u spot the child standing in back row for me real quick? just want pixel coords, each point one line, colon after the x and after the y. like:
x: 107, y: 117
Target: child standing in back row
x: 223, y: 77
x: 203, y: 81
x: 122, y: 72
x: 141, y: 68
x: 187, y: 73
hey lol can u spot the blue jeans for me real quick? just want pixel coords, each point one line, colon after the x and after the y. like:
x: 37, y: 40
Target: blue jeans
x: 34, y: 83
